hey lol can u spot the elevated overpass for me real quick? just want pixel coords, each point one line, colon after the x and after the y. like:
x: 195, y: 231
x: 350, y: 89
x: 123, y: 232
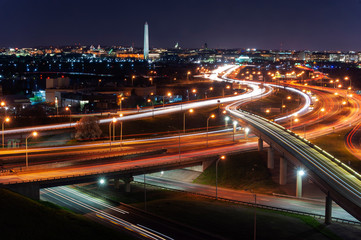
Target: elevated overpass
x: 339, y: 182
x: 28, y: 183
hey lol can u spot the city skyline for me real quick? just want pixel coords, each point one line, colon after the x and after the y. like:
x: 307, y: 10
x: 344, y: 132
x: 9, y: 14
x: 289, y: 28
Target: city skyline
x: 306, y: 25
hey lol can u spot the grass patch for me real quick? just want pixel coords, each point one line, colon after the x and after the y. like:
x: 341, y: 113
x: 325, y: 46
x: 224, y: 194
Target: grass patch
x: 334, y: 143
x: 22, y: 218
x: 231, y: 221
x: 242, y: 171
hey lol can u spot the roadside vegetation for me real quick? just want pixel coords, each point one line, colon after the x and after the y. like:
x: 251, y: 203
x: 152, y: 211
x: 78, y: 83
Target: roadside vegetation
x: 208, y: 214
x: 22, y: 218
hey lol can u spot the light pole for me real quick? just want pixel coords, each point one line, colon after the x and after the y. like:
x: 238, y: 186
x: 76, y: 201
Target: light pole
x: 57, y: 106
x: 169, y: 95
x: 121, y: 131
x: 234, y: 128
x: 133, y: 80
x: 220, y: 158
x: 110, y: 133
x: 3, y: 105
x: 194, y: 91
x: 296, y: 120
x: 188, y: 73
x: 6, y: 120
x: 300, y: 173
x: 347, y: 78
x: 246, y: 131
x: 150, y: 101
x: 226, y: 119
x: 151, y: 81
x: 120, y: 103
x: 68, y: 109
x: 318, y: 115
x: 34, y: 134
x: 184, y: 119
x: 212, y: 116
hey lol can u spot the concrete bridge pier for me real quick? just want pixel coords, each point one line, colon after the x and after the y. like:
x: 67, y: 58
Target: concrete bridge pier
x: 283, y: 171
x: 30, y: 190
x: 260, y: 144
x: 328, y: 209
x: 116, y: 183
x: 127, y: 181
x: 270, y: 159
x: 206, y: 164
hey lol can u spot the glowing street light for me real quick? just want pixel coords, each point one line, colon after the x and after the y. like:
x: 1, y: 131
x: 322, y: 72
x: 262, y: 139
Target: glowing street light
x: 184, y: 119
x: 133, y: 77
x: 110, y: 132
x: 212, y: 116
x: 300, y: 174
x: 169, y: 94
x: 246, y: 131
x: 102, y: 181
x: 121, y: 131
x: 226, y: 121
x: 234, y: 128
x: 151, y: 102
x: 69, y: 110
x: 6, y: 120
x: 33, y: 134
x: 220, y: 158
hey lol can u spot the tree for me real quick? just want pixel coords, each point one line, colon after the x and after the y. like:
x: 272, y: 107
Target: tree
x: 88, y: 128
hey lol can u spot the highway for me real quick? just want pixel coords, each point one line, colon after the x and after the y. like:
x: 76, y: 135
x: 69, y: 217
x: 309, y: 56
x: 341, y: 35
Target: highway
x: 256, y: 92
x: 336, y: 177
x: 120, y: 217
x: 294, y: 204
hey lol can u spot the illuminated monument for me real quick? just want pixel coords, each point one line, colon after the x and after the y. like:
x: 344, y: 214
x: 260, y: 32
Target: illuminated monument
x: 146, y: 41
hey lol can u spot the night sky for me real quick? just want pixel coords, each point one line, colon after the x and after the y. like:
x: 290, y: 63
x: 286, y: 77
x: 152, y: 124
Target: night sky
x: 261, y: 24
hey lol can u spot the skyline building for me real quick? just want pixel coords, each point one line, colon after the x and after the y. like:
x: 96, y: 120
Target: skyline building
x: 146, y: 41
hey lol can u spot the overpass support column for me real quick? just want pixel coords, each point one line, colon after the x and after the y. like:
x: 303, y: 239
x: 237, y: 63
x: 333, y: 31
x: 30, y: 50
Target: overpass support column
x: 260, y: 144
x: 328, y: 209
x: 116, y: 183
x: 270, y: 160
x: 206, y: 164
x: 283, y: 171
x: 127, y: 181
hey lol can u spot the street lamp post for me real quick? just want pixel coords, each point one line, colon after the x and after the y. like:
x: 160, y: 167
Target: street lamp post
x: 133, y: 80
x: 226, y: 119
x: 3, y: 129
x: 318, y: 115
x: 120, y: 103
x: 220, y: 158
x: 110, y: 133
x: 234, y: 128
x: 184, y: 119
x: 121, y: 131
x: 246, y: 131
x: 57, y: 106
x: 68, y: 109
x: 169, y: 95
x: 34, y: 134
x: 300, y: 173
x: 150, y: 101
x: 212, y: 116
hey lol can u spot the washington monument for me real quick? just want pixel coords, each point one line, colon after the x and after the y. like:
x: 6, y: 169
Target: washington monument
x: 146, y: 41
